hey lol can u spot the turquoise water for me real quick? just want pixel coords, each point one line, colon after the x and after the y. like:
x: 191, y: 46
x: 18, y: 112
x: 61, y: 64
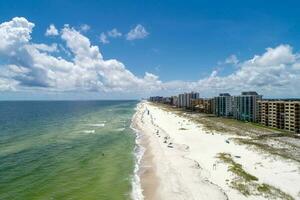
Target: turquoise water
x: 66, y: 150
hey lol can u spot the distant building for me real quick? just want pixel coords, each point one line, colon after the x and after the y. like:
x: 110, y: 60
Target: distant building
x: 181, y: 100
x: 264, y: 114
x: 281, y: 114
x: 212, y: 104
x: 223, y: 105
x: 156, y: 99
x: 174, y: 100
x: 166, y: 100
x: 245, y: 106
x: 202, y: 105
x: 185, y: 99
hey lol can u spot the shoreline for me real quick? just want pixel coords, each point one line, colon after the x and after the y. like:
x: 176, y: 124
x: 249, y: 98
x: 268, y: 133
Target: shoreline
x: 183, y: 161
x: 148, y: 182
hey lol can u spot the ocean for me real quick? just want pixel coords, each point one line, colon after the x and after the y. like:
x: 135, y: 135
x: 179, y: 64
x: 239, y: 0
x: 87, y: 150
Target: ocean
x: 66, y: 150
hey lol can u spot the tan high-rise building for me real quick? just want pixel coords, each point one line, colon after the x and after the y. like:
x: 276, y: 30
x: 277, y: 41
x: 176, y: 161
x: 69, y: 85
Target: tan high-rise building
x: 263, y: 112
x: 292, y: 116
x: 280, y: 114
x: 202, y: 105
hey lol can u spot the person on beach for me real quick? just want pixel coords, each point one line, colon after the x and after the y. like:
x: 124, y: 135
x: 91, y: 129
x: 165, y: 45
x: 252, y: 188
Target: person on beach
x: 214, y: 166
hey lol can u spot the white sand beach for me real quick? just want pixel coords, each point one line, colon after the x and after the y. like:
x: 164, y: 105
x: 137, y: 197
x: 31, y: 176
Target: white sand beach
x: 181, y: 162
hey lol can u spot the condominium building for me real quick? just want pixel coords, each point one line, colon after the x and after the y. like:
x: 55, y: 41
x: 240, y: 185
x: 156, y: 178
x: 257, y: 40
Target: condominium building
x: 174, y: 100
x: 292, y: 116
x: 263, y: 112
x: 245, y: 106
x: 185, y: 99
x: 282, y: 114
x: 156, y: 99
x: 202, y: 105
x: 212, y: 105
x: 197, y: 104
x: 166, y: 100
x: 223, y: 105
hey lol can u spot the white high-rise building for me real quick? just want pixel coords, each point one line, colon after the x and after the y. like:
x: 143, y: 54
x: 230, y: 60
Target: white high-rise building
x: 185, y: 99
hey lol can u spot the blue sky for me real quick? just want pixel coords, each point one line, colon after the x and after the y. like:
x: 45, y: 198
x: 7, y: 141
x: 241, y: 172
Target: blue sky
x: 187, y: 41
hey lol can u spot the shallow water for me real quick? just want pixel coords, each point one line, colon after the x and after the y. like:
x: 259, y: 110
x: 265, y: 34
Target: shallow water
x: 66, y: 149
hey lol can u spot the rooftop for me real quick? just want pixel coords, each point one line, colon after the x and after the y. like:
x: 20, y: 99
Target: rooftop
x: 249, y: 93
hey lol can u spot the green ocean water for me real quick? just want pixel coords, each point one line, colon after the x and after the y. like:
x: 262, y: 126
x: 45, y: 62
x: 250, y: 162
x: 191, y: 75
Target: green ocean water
x: 66, y: 150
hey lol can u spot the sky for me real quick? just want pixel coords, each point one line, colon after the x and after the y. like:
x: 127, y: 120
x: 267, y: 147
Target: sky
x: 131, y: 49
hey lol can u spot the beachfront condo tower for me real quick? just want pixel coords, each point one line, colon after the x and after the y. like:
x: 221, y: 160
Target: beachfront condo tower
x: 281, y: 114
x: 185, y: 99
x: 223, y: 105
x: 245, y: 106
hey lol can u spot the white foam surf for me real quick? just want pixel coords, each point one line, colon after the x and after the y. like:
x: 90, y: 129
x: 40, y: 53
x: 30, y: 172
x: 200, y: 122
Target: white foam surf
x: 88, y: 131
x: 139, y: 150
x: 96, y: 125
x: 120, y: 129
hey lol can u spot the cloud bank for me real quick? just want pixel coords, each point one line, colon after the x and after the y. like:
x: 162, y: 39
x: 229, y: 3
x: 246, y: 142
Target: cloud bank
x: 31, y: 65
x: 28, y: 66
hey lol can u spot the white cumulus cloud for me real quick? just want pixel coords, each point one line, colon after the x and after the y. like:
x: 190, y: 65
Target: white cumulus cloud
x: 114, y: 33
x: 34, y: 66
x: 139, y: 32
x: 14, y: 34
x: 271, y: 73
x: 103, y: 38
x: 84, y: 27
x: 48, y: 48
x: 51, y: 31
x: 232, y: 59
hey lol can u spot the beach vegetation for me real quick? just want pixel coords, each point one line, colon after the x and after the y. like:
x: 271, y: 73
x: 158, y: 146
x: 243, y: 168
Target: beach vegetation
x: 248, y: 184
x: 261, y: 145
x: 263, y: 188
x: 236, y: 168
